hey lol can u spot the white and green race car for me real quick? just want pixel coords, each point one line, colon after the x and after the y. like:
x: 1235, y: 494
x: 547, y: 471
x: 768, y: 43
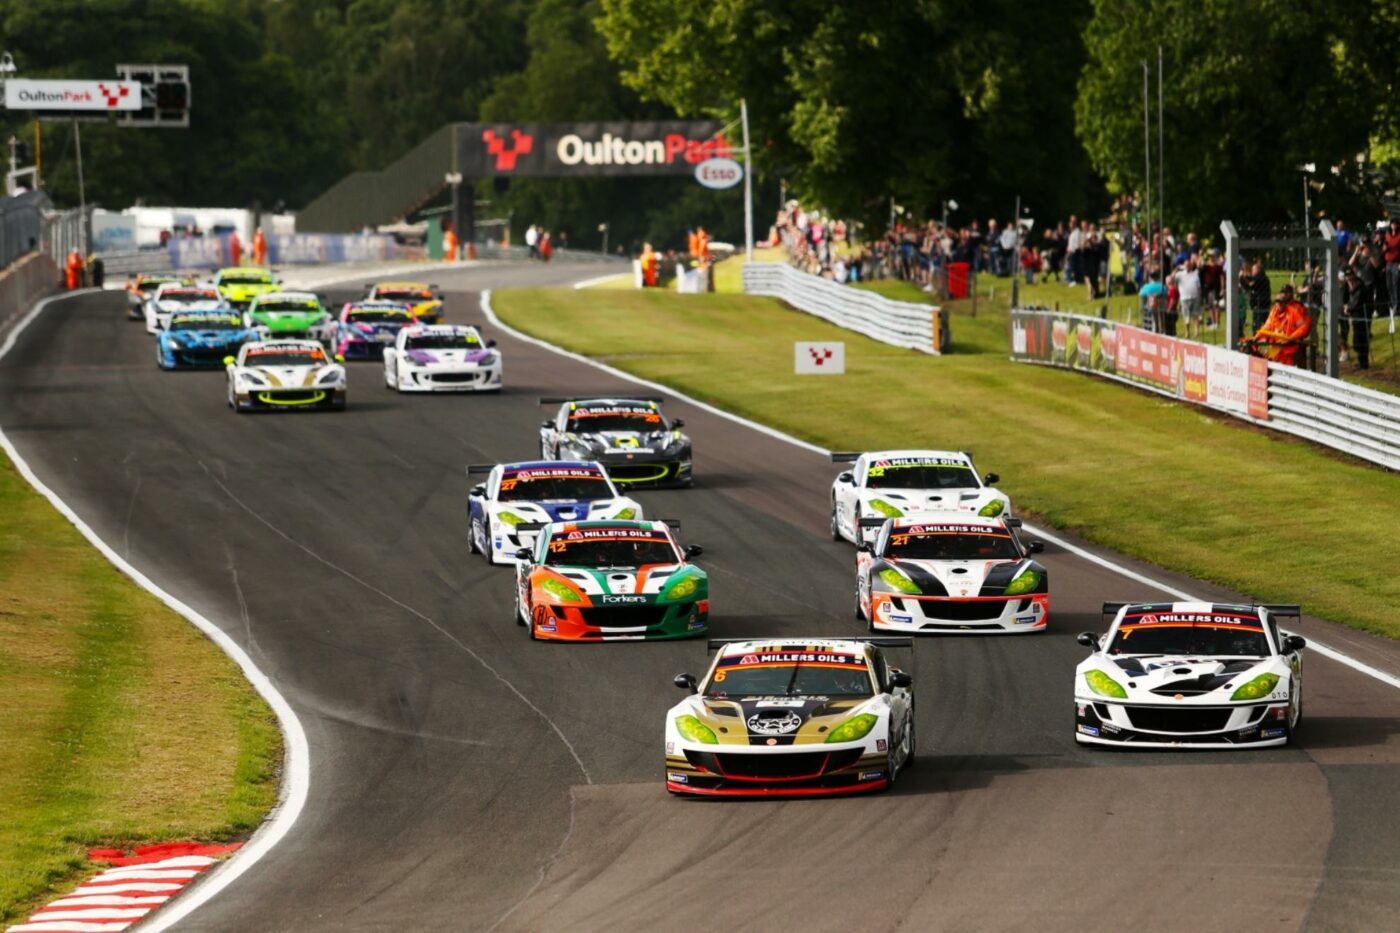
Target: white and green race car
x: 896, y: 483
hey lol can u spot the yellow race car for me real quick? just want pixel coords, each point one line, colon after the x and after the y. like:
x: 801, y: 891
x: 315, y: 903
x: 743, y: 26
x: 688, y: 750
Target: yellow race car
x: 425, y: 301
x: 241, y: 284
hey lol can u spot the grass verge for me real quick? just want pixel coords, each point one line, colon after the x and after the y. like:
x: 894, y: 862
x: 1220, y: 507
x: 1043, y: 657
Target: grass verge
x: 119, y: 722
x: 1263, y: 514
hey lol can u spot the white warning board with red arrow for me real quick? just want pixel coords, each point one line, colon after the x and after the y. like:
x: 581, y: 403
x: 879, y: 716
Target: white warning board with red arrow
x: 823, y: 358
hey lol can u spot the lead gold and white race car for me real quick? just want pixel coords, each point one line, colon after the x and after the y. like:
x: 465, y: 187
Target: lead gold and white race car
x: 894, y: 483
x: 284, y: 374
x: 950, y: 572
x: 1203, y: 675
x: 786, y: 717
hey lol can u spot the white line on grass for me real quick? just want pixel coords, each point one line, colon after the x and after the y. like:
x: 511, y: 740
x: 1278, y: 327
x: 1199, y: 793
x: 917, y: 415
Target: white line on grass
x: 298, y: 760
x: 1324, y: 650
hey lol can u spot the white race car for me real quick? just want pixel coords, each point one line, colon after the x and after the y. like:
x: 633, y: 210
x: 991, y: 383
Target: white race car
x: 442, y: 358
x: 788, y: 717
x: 172, y: 297
x: 532, y: 494
x: 894, y: 483
x: 1204, y: 675
x: 284, y: 374
x: 950, y: 572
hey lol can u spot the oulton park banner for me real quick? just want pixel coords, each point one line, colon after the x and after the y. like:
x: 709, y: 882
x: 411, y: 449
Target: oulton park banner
x: 1218, y: 378
x: 660, y: 147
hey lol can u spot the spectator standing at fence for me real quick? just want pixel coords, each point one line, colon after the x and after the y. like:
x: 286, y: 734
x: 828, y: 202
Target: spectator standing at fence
x: 1150, y: 299
x: 532, y: 240
x: 1366, y: 263
x: 1009, y: 259
x: 1285, y: 330
x: 649, y: 262
x: 1255, y: 285
x: 1356, y: 320
x: 1188, y: 284
x: 1212, y: 287
x: 1343, y: 240
x: 1030, y: 263
x: 546, y: 247
x: 1392, y: 265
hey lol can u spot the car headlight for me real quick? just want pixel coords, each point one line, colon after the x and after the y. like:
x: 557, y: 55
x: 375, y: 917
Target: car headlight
x: 897, y: 582
x: 510, y: 518
x: 857, y: 727
x: 254, y: 379
x: 1026, y: 581
x: 683, y: 588
x: 693, y: 730
x: 991, y: 509
x: 1105, y: 686
x: 1257, y: 688
x: 626, y: 514
x: 885, y: 508
x: 560, y: 590
x: 329, y: 377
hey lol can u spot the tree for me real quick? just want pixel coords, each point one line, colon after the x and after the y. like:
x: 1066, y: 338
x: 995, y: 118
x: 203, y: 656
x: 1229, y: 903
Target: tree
x: 1253, y: 89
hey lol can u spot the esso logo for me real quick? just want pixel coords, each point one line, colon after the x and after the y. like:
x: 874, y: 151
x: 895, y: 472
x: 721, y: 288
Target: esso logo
x: 719, y: 173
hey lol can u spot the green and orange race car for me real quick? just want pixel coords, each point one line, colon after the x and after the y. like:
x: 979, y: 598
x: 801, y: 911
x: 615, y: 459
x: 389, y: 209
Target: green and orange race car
x: 610, y: 581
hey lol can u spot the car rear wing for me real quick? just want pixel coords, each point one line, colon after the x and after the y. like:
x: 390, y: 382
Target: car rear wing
x: 873, y: 522
x: 561, y: 399
x: 530, y: 526
x: 475, y: 468
x: 1012, y: 522
x: 845, y: 456
x: 879, y: 641
x: 1292, y: 610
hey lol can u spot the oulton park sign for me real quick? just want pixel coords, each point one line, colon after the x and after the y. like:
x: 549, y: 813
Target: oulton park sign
x: 669, y: 147
x: 108, y: 96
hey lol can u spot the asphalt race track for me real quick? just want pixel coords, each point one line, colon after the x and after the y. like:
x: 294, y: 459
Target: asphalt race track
x: 464, y: 777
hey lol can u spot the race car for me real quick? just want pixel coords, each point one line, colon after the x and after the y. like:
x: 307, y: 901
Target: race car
x: 295, y: 315
x: 425, y: 301
x: 533, y: 493
x: 1204, y: 675
x: 610, y: 581
x: 630, y: 436
x: 201, y: 338
x: 241, y: 284
x: 143, y: 285
x: 950, y: 572
x: 790, y: 717
x: 892, y: 483
x: 442, y: 358
x: 284, y: 374
x: 172, y: 297
x: 365, y: 328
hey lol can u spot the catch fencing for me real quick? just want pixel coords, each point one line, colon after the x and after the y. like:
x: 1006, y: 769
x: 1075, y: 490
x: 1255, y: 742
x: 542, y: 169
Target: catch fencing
x: 898, y: 323
x: 21, y: 225
x: 1345, y: 417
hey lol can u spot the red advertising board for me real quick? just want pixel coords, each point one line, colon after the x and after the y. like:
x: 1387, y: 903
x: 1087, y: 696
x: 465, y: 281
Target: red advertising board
x: 1258, y: 388
x: 1146, y: 356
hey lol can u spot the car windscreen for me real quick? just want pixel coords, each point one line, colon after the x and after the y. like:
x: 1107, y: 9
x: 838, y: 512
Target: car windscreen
x: 587, y: 420
x: 379, y: 316
x: 206, y: 322
x: 545, y: 485
x: 790, y: 673
x: 610, y: 548
x: 1180, y: 633
x: 188, y: 298
x: 443, y: 342
x: 306, y: 357
x: 414, y: 294
x: 150, y: 285
x: 921, y: 476
x: 951, y: 542
x: 244, y: 278
x: 288, y: 307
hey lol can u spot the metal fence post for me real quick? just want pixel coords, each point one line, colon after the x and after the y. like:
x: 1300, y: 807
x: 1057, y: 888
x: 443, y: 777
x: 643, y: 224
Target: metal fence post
x: 1331, y: 300
x: 1232, y: 284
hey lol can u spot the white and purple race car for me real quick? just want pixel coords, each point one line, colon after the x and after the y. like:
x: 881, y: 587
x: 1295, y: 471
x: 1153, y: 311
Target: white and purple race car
x: 442, y: 358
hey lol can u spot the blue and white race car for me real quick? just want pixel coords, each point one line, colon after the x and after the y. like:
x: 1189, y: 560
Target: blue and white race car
x: 507, y: 511
x: 202, y: 338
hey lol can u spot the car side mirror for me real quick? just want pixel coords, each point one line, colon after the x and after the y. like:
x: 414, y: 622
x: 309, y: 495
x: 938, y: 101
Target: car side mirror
x: 1035, y: 547
x: 865, y: 547
x: 901, y: 679
x: 693, y: 550
x: 1088, y: 640
x: 1294, y: 643
x: 991, y: 479
x: 229, y: 361
x: 478, y: 490
x: 685, y: 682
x: 524, y: 554
x: 677, y: 422
x: 340, y: 357
x: 490, y: 343
x: 847, y: 477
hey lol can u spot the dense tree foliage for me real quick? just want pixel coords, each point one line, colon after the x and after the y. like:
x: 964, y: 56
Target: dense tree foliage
x: 852, y: 105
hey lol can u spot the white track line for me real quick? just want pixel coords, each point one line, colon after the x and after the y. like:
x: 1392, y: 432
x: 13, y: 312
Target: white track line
x: 598, y: 280
x: 297, y: 779
x: 1324, y: 650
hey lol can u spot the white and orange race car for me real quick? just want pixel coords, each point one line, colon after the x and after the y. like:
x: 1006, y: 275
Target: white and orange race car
x: 950, y: 572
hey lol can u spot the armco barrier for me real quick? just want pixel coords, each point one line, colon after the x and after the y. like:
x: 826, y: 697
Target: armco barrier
x: 26, y: 280
x: 1349, y: 418
x: 900, y: 323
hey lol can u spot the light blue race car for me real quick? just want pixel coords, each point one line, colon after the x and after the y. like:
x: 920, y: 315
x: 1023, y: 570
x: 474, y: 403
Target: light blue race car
x: 202, y: 338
